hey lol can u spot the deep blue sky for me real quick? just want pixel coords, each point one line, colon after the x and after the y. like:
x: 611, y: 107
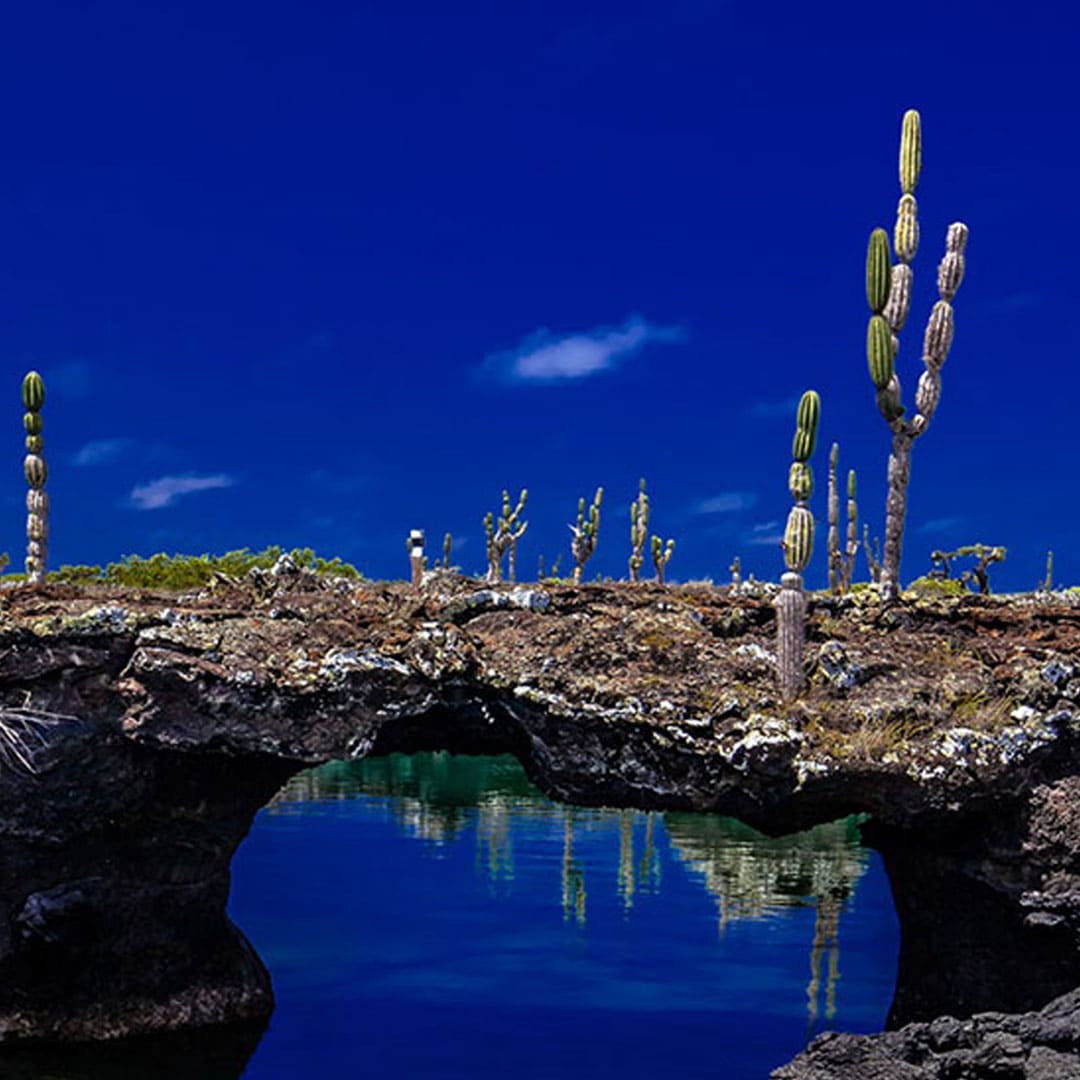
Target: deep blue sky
x: 302, y: 257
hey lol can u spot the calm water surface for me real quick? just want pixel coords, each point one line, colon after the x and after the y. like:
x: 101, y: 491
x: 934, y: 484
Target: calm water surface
x: 434, y: 915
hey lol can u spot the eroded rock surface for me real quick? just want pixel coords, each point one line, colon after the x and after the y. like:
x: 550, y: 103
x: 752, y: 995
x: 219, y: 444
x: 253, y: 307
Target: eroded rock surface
x: 144, y: 732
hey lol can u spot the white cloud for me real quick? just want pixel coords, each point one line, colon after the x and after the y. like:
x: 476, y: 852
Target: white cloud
x: 766, y: 534
x: 727, y: 502
x: 542, y: 357
x: 941, y: 525
x: 100, y: 451
x: 167, y: 489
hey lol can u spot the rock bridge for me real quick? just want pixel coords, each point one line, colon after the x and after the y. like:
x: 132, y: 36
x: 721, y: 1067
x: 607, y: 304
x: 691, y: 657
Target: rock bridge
x: 141, y: 733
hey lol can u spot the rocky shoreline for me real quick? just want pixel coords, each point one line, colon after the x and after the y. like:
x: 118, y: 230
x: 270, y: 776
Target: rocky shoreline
x: 143, y: 732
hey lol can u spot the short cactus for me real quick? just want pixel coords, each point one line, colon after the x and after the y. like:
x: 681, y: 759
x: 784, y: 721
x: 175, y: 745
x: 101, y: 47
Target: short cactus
x: 889, y: 311
x: 798, y: 547
x: 585, y: 532
x: 661, y: 556
x: 36, y: 472
x: 639, y: 531
x: 841, y: 559
x: 502, y: 536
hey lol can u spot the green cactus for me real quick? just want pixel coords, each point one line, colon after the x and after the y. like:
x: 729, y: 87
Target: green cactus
x: 661, y: 556
x: 585, y: 533
x: 799, y: 539
x: 502, y: 535
x: 852, y: 547
x: 878, y: 271
x: 639, y: 530
x: 798, y: 547
x: 33, y: 392
x: 37, y: 473
x: 879, y: 351
x: 910, y: 151
x: 882, y: 340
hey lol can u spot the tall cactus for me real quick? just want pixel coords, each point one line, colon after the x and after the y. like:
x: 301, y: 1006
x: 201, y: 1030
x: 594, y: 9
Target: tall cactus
x: 588, y: 525
x: 36, y: 473
x: 798, y: 546
x: 836, y: 560
x: 639, y: 531
x: 852, y: 548
x: 888, y: 292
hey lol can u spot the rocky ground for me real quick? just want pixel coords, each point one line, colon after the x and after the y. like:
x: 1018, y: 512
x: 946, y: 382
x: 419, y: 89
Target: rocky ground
x: 143, y: 731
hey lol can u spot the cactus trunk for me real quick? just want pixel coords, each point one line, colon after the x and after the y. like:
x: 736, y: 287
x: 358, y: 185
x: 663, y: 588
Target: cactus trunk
x: 895, y: 511
x: 790, y: 634
x: 836, y: 564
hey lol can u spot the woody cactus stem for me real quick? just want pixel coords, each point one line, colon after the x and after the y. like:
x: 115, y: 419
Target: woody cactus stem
x: 661, y: 556
x: 36, y: 472
x: 836, y: 560
x: 852, y: 548
x: 798, y: 546
x: 639, y: 531
x: 889, y: 302
x: 584, y: 542
x: 512, y: 528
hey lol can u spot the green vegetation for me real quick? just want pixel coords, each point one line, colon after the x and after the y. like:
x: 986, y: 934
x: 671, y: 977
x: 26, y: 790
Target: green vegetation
x: 182, y: 572
x: 936, y: 586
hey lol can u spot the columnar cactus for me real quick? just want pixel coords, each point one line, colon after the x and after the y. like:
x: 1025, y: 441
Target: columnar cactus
x: 447, y: 544
x: 513, y: 529
x: 841, y: 559
x: 639, y: 531
x: 836, y: 560
x: 852, y: 548
x: 584, y: 542
x: 889, y: 297
x: 798, y: 546
x: 504, y: 535
x: 36, y: 472
x: 661, y: 556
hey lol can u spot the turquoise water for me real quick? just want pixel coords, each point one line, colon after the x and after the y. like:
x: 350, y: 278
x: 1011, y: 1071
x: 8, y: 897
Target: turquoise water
x: 435, y: 915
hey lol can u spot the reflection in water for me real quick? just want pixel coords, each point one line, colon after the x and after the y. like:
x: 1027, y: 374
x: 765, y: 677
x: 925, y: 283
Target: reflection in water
x: 750, y: 877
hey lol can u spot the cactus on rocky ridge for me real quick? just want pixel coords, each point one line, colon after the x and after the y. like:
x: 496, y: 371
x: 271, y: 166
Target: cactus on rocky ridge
x: 585, y: 531
x: 639, y: 531
x: 798, y: 546
x: 36, y: 473
x: 889, y: 302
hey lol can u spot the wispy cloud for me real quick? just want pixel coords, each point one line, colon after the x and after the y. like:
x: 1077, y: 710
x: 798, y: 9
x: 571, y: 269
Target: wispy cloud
x: 100, y: 451
x: 771, y: 410
x: 941, y: 525
x: 543, y: 357
x: 726, y: 502
x: 766, y: 534
x: 167, y: 489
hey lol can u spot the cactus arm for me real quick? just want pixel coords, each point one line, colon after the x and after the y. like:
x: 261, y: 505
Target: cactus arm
x: 36, y: 472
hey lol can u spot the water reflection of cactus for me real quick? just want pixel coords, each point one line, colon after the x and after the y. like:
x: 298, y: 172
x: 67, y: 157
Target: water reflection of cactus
x: 440, y: 797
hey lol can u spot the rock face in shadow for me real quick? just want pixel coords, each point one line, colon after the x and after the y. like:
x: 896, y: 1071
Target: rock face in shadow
x: 139, y: 735
x: 115, y: 880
